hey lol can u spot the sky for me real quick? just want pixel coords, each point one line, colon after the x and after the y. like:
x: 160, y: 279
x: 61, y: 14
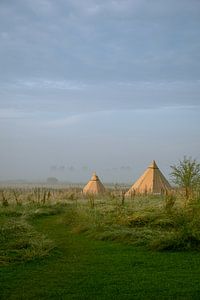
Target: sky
x: 97, y: 85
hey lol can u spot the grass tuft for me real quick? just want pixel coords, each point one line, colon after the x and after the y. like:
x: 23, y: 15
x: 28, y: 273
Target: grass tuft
x: 150, y: 223
x: 19, y: 241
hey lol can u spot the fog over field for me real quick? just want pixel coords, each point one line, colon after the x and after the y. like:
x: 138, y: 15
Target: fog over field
x: 104, y: 85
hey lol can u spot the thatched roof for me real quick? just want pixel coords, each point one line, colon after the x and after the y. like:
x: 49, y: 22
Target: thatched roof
x: 94, y: 186
x: 151, y: 182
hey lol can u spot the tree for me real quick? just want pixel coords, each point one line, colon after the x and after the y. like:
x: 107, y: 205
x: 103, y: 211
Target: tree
x: 52, y: 180
x: 186, y: 174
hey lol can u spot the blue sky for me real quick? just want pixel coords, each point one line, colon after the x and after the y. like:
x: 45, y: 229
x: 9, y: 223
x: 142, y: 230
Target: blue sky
x: 97, y: 85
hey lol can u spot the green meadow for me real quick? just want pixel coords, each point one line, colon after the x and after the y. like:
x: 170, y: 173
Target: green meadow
x: 64, y: 246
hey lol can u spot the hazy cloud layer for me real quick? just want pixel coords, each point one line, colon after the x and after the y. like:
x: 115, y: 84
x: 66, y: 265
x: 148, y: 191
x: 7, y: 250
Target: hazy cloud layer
x: 108, y: 77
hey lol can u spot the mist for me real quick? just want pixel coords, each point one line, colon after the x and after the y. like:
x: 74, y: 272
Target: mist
x: 104, y: 87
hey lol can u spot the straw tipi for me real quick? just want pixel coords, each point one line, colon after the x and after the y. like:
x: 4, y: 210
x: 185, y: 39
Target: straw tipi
x: 151, y: 182
x: 94, y: 186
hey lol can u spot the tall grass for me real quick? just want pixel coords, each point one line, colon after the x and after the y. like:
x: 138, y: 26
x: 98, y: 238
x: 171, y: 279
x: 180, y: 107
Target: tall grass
x: 37, y: 195
x: 159, y: 223
x: 19, y: 241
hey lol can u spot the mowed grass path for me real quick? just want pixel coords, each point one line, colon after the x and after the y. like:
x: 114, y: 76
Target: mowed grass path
x: 82, y: 268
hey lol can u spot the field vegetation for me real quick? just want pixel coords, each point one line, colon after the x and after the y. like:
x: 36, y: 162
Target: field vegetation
x: 168, y: 222
x: 58, y: 243
x: 158, y: 223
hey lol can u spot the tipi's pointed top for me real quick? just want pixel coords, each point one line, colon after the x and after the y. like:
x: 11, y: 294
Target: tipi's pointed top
x: 152, y: 182
x: 94, y: 186
x: 153, y: 165
x: 94, y: 177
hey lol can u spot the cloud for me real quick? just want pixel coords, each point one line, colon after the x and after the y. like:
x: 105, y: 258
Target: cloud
x: 62, y: 122
x: 78, y: 56
x: 104, y: 77
x: 100, y: 40
x: 132, y: 7
x: 55, y: 98
x: 12, y: 114
x: 41, y: 7
x: 42, y: 83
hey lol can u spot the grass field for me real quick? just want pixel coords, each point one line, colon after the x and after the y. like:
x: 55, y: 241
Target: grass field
x: 71, y: 265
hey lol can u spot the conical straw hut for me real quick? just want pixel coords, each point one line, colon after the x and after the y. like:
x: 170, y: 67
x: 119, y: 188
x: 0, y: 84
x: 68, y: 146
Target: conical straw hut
x: 94, y: 186
x: 151, y: 182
